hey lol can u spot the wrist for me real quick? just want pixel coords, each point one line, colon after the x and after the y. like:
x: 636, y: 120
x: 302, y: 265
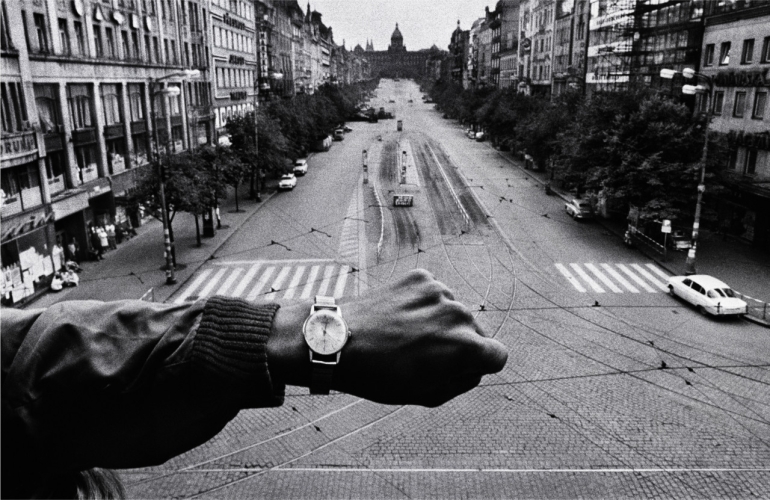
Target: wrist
x: 287, y: 352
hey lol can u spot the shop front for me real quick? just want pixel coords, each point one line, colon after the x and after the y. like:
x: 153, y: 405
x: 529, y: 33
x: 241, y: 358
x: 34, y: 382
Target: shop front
x: 29, y: 256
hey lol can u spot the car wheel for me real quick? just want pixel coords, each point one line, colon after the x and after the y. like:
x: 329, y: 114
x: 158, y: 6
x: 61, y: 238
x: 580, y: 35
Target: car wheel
x: 671, y: 290
x: 701, y: 310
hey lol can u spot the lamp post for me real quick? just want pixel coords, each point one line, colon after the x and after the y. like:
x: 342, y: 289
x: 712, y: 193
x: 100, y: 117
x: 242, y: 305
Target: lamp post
x: 168, y: 247
x: 690, y: 73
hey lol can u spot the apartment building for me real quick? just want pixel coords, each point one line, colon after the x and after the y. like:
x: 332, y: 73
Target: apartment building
x: 509, y: 42
x: 233, y: 60
x: 736, y: 57
x: 81, y: 81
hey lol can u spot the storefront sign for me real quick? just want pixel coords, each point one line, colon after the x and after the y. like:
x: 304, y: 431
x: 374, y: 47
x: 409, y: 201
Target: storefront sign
x: 238, y: 96
x: 758, y: 140
x: 19, y: 145
x: 234, y: 22
x: 746, y: 78
x: 237, y: 59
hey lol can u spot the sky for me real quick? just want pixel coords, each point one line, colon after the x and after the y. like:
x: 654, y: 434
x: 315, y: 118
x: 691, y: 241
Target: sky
x: 421, y: 22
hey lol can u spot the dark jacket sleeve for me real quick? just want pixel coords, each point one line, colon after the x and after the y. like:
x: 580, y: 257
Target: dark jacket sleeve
x: 129, y: 384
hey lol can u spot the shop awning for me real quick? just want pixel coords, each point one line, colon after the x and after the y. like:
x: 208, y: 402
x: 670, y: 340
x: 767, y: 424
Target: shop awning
x: 24, y: 225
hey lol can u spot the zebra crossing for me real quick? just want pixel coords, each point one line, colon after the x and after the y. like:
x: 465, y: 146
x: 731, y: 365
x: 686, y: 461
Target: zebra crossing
x: 271, y: 280
x: 615, y: 278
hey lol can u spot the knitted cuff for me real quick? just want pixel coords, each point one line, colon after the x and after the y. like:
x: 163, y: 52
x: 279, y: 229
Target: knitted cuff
x: 231, y: 341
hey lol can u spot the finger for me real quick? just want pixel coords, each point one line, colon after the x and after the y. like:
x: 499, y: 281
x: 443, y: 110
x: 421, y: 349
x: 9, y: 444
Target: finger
x: 489, y: 356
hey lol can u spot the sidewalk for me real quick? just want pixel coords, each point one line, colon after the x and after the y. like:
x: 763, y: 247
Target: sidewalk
x: 134, y: 269
x: 745, y: 268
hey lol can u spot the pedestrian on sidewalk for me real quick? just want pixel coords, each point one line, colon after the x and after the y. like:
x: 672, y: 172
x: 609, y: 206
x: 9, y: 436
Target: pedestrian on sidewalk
x: 111, y: 237
x: 74, y: 250
x: 96, y: 243
x: 103, y: 240
x: 141, y: 383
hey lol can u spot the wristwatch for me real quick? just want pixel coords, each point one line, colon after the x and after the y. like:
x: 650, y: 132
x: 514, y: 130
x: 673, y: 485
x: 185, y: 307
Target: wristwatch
x: 326, y: 334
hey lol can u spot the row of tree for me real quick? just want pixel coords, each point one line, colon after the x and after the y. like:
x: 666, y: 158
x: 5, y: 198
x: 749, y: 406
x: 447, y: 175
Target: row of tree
x: 633, y: 147
x: 262, y: 144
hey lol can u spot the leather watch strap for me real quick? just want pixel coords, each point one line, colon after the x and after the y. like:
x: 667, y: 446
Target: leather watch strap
x: 321, y: 378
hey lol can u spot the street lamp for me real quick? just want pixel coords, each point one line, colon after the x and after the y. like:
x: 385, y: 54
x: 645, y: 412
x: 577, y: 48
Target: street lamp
x: 173, y: 91
x: 690, y: 73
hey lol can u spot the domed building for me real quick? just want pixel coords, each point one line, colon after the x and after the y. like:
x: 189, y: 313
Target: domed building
x: 396, y: 62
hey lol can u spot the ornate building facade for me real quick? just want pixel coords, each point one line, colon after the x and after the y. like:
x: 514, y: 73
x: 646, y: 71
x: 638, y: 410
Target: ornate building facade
x: 396, y: 61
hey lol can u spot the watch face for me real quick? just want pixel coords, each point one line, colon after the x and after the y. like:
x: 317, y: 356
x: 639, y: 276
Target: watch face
x: 325, y: 332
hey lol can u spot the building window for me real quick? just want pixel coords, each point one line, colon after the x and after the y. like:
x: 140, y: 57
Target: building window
x: 111, y: 103
x: 719, y: 100
x: 136, y: 101
x: 747, y: 56
x: 5, y: 32
x: 85, y: 157
x: 124, y: 45
x: 47, y: 104
x: 148, y: 48
x: 42, y: 32
x: 135, y: 45
x: 708, y: 56
x: 79, y: 100
x: 750, y: 165
x: 64, y: 37
x: 80, y: 39
x: 156, y: 49
x: 765, y: 58
x: 14, y: 113
x: 98, y: 48
x: 740, y: 104
x: 724, y: 54
x: 110, y: 42
x: 760, y: 100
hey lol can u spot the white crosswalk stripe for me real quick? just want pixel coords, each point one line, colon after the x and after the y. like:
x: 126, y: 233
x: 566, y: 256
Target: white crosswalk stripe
x: 271, y: 280
x: 616, y: 277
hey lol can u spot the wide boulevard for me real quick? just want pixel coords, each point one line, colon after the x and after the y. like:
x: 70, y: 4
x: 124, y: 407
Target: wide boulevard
x: 613, y: 389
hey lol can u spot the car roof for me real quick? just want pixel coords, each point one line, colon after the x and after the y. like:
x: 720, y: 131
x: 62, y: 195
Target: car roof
x: 707, y: 281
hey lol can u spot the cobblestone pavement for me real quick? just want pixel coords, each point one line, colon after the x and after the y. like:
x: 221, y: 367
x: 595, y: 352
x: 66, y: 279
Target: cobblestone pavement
x: 633, y: 397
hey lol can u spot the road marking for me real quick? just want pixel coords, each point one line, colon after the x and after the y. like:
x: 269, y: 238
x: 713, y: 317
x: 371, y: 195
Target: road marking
x: 342, y: 279
x: 195, y: 284
x: 212, y: 283
x: 603, y: 278
x: 657, y: 271
x: 229, y: 281
x: 639, y: 281
x: 649, y: 277
x: 326, y: 280
x: 278, y: 282
x: 587, y: 278
x: 310, y: 281
x: 295, y: 280
x: 631, y: 288
x: 260, y: 284
x: 246, y: 279
x: 563, y: 270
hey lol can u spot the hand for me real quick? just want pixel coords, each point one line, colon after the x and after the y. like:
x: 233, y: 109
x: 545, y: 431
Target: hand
x: 411, y: 343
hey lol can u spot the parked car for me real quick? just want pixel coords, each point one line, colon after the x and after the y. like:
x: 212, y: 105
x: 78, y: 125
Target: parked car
x: 391, y: 100
x: 347, y: 129
x: 680, y: 240
x: 470, y: 133
x: 707, y: 294
x: 300, y: 166
x: 579, y: 209
x: 288, y: 181
x: 339, y: 135
x: 480, y: 136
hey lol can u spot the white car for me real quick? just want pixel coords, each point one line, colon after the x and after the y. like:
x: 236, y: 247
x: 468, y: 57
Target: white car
x: 579, y: 209
x: 300, y: 166
x: 288, y: 181
x: 707, y: 294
